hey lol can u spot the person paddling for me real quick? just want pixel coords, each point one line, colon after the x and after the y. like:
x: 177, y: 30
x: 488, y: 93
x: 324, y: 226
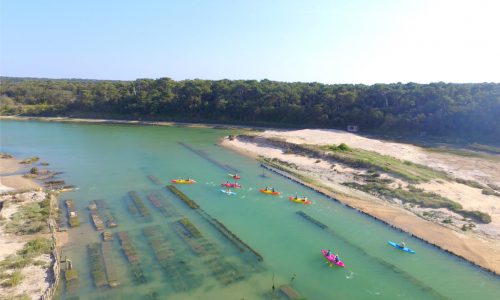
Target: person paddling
x: 402, y: 245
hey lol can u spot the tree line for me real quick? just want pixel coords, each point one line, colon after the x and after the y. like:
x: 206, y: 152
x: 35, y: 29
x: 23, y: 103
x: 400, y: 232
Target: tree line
x: 438, y: 109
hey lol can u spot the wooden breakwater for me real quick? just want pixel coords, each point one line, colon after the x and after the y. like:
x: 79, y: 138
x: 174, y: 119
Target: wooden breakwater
x: 330, y: 196
x: 219, y: 226
x: 55, y: 268
x: 204, y: 155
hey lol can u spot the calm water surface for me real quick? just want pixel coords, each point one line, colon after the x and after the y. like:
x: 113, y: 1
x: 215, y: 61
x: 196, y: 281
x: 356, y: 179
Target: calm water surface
x: 106, y: 162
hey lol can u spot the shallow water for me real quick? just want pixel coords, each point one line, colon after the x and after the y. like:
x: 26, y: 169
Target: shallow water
x: 108, y: 161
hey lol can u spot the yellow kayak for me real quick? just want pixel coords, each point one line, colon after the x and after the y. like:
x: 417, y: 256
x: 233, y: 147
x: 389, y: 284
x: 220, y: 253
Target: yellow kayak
x: 183, y: 181
x: 299, y: 200
x: 269, y: 192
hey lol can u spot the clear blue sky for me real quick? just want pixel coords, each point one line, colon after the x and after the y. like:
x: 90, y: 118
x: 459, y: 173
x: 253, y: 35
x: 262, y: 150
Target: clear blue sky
x: 330, y: 41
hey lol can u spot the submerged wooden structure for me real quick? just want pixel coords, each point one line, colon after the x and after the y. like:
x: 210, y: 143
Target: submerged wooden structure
x: 102, y: 266
x: 139, y: 204
x: 72, y: 214
x: 154, y: 179
x: 94, y: 216
x: 224, y: 271
x: 219, y: 226
x: 106, y: 213
x: 131, y: 256
x: 179, y: 272
x: 204, y: 155
x: 162, y: 205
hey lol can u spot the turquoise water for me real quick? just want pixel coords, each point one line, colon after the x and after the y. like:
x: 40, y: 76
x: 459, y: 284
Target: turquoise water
x: 106, y: 162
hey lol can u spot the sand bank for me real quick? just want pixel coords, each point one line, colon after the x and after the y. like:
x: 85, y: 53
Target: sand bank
x: 10, y: 183
x: 126, y: 122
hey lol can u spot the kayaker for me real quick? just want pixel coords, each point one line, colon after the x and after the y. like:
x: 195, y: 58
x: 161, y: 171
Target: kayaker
x: 337, y: 258
x: 273, y: 190
x: 305, y: 199
x: 328, y: 253
x: 296, y: 196
x: 402, y: 245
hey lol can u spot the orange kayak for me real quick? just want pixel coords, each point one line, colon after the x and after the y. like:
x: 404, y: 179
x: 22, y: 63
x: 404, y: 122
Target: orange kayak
x: 269, y: 192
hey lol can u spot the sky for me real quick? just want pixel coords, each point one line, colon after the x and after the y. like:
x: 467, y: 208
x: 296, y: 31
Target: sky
x: 328, y: 41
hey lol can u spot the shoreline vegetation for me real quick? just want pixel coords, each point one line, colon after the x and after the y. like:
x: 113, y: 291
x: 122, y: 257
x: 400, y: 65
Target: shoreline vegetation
x: 29, y: 241
x: 405, y: 194
x: 448, y: 111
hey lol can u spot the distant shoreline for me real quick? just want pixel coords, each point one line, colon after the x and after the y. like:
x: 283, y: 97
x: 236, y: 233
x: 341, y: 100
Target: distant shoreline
x: 129, y: 122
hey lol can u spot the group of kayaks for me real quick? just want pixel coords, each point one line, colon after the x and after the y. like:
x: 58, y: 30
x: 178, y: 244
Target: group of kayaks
x: 335, y: 259
x: 330, y: 257
x: 228, y: 185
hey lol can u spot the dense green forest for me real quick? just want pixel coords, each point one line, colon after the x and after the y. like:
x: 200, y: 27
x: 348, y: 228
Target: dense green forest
x: 438, y: 109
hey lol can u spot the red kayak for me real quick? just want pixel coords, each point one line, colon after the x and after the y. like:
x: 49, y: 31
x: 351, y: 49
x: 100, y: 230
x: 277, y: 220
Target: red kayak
x: 235, y: 176
x: 233, y: 185
x: 331, y: 258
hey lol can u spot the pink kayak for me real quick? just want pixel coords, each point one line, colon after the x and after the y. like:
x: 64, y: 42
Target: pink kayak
x: 331, y: 258
x: 235, y: 185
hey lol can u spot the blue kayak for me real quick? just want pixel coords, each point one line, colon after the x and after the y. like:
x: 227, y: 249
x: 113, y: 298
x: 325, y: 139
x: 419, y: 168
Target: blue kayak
x: 228, y: 192
x: 395, y: 245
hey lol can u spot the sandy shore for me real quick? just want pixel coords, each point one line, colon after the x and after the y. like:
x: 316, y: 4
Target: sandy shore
x: 14, y: 182
x: 36, y: 279
x: 478, y: 248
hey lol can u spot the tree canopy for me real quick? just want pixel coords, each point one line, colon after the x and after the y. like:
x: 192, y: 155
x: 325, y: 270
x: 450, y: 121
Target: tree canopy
x: 439, y: 109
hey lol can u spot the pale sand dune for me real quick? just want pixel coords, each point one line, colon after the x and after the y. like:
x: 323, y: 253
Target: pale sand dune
x: 473, y: 168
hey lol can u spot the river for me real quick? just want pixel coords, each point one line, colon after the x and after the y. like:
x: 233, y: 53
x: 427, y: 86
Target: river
x: 215, y: 261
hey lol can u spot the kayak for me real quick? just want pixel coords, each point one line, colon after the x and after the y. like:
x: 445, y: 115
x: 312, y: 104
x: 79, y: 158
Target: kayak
x: 183, y: 181
x: 299, y: 200
x: 269, y: 192
x: 395, y: 245
x: 234, y: 176
x: 235, y: 185
x: 331, y: 258
x: 229, y: 193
